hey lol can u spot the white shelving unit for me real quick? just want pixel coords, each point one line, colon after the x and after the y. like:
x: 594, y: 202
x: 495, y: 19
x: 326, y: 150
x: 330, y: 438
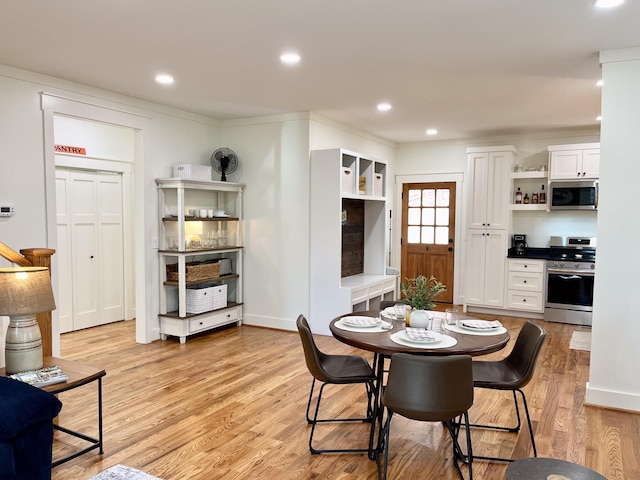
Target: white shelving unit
x: 185, y: 238
x: 335, y: 177
x: 529, y: 182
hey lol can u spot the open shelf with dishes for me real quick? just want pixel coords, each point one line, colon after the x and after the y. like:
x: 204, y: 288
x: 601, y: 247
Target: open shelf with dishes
x: 200, y: 255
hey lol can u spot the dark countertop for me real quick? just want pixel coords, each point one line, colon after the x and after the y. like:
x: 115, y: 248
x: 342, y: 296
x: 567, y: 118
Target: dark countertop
x: 532, y: 253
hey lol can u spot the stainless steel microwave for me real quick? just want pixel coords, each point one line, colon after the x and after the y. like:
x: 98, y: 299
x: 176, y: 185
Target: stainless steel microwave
x: 574, y: 195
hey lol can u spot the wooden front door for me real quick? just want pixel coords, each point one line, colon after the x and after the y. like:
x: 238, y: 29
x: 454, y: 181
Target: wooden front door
x: 428, y: 233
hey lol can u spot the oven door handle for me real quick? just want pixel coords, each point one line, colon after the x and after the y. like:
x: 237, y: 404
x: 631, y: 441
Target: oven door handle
x: 581, y: 273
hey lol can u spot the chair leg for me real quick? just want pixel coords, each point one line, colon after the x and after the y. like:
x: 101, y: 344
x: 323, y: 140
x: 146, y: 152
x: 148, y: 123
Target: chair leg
x: 454, y: 427
x: 383, y: 446
x: 315, y: 421
x: 511, y: 429
x: 499, y: 427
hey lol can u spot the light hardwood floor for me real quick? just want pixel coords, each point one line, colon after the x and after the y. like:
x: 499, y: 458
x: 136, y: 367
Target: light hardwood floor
x: 230, y: 404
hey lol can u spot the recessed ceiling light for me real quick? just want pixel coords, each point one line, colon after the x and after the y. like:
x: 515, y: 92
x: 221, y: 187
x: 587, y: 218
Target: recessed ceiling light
x: 599, y: 83
x: 290, y: 58
x: 164, y: 79
x: 599, y: 118
x: 608, y: 3
x: 384, y: 107
x: 431, y: 131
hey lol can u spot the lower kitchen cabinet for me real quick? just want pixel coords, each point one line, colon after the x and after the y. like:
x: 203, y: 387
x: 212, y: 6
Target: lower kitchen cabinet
x: 525, y: 285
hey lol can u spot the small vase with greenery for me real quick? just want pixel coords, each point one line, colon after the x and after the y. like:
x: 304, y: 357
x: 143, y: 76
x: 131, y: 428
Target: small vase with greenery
x: 419, y: 293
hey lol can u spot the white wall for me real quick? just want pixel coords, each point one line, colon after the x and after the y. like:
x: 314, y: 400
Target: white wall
x: 274, y: 155
x: 613, y: 379
x: 174, y: 137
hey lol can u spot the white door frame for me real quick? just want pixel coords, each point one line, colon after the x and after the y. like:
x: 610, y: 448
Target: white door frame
x: 458, y: 254
x: 57, y: 105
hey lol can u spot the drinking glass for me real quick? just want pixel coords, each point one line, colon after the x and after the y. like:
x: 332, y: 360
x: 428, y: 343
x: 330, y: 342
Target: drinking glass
x: 451, y: 316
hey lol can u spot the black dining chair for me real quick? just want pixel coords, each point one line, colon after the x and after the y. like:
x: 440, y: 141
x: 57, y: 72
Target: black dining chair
x: 512, y: 373
x: 335, y: 369
x: 429, y: 389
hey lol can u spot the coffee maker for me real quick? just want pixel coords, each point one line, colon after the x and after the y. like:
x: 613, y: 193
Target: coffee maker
x: 519, y: 243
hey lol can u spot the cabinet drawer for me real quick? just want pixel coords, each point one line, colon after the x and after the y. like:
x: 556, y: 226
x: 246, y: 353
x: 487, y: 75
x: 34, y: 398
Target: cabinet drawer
x: 530, y: 301
x: 209, y: 321
x: 375, y: 289
x: 526, y: 265
x: 530, y: 282
x: 389, y: 286
x: 359, y: 295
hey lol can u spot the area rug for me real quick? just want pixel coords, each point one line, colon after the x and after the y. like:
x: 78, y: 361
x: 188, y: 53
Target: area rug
x: 120, y: 472
x: 580, y: 340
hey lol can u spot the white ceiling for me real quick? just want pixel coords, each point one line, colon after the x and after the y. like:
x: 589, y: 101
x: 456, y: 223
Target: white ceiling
x: 466, y: 67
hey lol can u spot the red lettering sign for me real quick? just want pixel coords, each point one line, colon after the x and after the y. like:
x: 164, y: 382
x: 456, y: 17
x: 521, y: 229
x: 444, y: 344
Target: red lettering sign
x: 69, y: 149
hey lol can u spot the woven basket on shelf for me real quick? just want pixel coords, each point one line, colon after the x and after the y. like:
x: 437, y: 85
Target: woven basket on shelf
x: 195, y: 271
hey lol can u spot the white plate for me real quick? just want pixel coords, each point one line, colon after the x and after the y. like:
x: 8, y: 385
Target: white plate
x: 361, y: 321
x: 436, y: 337
x: 392, y: 313
x: 471, y: 327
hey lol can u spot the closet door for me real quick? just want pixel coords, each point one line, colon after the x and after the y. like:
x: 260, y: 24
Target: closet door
x: 90, y: 223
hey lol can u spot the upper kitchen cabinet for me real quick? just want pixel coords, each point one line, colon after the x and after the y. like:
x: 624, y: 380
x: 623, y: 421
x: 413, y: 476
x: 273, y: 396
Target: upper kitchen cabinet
x: 574, y: 162
x: 489, y: 186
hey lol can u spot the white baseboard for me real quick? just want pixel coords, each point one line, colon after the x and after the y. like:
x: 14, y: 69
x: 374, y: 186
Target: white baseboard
x: 270, y: 322
x: 611, y: 399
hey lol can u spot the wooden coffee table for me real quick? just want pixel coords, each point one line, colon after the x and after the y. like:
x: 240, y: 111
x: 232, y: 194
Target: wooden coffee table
x: 79, y: 375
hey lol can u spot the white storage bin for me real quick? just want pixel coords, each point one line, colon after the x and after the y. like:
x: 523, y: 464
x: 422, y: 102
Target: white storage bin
x: 189, y: 171
x: 377, y: 185
x: 203, y: 299
x: 347, y: 180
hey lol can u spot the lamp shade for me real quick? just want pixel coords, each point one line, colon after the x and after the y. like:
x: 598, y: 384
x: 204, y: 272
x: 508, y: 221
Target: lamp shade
x: 25, y: 291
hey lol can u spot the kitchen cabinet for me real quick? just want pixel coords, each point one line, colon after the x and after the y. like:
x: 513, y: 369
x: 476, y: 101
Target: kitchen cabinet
x: 191, y: 242
x: 343, y: 182
x: 525, y: 284
x: 574, y: 162
x: 485, y: 272
x: 489, y: 170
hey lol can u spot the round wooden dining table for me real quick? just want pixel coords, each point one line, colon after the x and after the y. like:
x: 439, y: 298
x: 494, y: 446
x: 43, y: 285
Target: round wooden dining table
x: 381, y: 344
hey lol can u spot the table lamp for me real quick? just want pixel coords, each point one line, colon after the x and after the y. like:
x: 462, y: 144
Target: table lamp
x: 24, y: 292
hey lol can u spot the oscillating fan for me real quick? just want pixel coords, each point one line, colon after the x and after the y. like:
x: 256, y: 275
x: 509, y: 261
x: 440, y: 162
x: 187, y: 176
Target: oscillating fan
x: 223, y: 161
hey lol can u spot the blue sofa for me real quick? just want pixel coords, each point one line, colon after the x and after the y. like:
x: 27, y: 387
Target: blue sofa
x: 26, y: 430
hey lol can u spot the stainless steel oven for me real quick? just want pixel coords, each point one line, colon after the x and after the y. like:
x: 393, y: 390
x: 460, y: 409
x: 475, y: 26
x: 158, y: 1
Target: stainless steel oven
x: 570, y: 275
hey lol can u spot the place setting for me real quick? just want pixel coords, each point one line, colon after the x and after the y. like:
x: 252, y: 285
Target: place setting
x: 472, y: 326
x: 363, y: 324
x: 431, y: 337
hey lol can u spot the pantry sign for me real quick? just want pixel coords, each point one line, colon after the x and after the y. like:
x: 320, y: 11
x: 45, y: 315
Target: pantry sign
x: 70, y: 149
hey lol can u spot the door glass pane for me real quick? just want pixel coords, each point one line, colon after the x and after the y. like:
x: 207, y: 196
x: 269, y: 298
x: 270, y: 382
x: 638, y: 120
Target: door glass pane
x: 442, y: 216
x: 427, y: 234
x: 429, y: 197
x: 442, y: 198
x: 413, y: 234
x: 413, y: 216
x: 442, y: 235
x: 428, y: 216
x: 414, y: 198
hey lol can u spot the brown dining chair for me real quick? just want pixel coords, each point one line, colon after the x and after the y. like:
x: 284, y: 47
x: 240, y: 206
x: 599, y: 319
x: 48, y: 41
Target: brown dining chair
x: 390, y: 303
x: 429, y: 389
x: 512, y: 373
x: 335, y: 369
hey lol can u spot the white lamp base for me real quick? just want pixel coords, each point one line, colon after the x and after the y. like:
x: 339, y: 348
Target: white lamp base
x: 23, y: 346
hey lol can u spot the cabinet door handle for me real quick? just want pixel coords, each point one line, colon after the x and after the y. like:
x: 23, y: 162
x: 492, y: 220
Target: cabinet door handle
x: 524, y: 281
x: 524, y: 300
x: 578, y: 173
x: 450, y: 249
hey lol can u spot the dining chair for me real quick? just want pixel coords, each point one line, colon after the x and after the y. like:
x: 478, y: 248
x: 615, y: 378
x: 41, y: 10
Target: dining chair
x: 428, y: 389
x: 512, y: 373
x: 390, y: 303
x: 335, y: 369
